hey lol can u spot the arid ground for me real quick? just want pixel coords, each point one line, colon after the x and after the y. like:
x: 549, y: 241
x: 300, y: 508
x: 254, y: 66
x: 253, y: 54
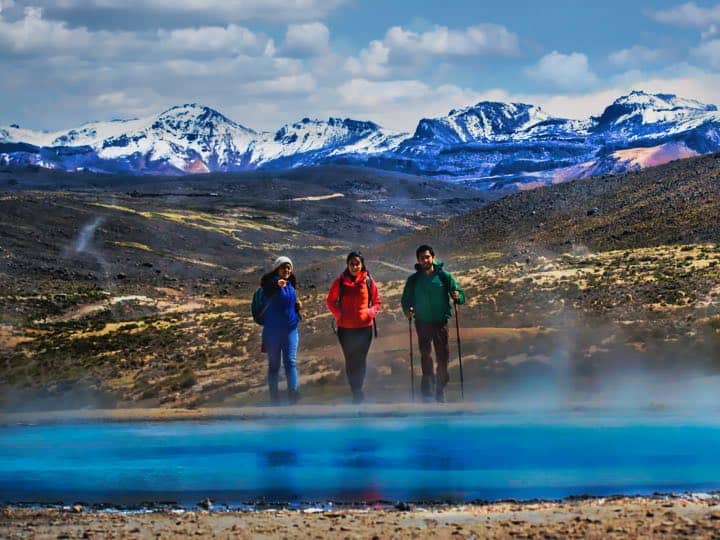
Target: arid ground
x: 140, y: 297
x: 615, y: 517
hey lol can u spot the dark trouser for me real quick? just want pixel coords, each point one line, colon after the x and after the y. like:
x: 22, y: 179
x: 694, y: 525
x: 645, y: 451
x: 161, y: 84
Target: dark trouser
x: 355, y: 343
x: 433, y: 333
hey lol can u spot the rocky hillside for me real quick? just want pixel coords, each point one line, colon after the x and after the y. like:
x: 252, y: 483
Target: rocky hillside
x: 669, y: 204
x: 599, y: 290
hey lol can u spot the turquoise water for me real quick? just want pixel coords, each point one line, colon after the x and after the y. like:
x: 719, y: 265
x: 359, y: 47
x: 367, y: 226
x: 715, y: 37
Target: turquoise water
x: 418, y: 459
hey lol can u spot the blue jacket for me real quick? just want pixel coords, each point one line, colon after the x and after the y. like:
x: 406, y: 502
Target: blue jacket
x: 281, y: 313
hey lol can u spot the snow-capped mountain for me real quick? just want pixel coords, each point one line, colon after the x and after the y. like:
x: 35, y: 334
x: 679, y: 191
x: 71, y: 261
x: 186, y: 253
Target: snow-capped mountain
x: 193, y: 138
x: 507, y: 145
x: 484, y: 122
x: 190, y: 138
x: 187, y: 138
x: 639, y: 114
x: 490, y: 145
x: 307, y: 141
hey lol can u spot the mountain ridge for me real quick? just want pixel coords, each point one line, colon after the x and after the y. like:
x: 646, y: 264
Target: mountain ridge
x: 488, y: 145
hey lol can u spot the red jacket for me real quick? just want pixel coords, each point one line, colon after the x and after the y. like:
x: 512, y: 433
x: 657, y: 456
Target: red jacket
x: 354, y: 311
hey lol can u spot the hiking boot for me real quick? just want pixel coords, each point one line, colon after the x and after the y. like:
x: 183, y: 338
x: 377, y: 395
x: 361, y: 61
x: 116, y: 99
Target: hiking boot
x: 358, y: 396
x: 427, y: 385
x: 293, y: 397
x: 440, y: 396
x: 427, y: 398
x: 274, y: 398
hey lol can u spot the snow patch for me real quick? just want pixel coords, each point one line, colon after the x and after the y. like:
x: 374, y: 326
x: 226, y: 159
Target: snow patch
x: 318, y: 197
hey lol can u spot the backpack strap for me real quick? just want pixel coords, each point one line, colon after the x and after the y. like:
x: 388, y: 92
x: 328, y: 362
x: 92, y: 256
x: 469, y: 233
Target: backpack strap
x: 268, y: 301
x: 265, y: 301
x: 445, y: 278
x: 411, y: 281
x: 341, y: 292
x: 369, y: 283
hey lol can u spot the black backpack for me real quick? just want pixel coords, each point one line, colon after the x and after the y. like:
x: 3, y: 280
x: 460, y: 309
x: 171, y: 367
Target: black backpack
x: 368, y: 283
x: 259, y: 306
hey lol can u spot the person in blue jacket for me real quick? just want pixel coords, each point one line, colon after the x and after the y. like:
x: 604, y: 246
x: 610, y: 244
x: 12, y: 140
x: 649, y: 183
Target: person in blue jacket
x: 280, y: 329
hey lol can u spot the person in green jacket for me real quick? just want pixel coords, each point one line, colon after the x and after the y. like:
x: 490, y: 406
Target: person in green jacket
x: 426, y: 297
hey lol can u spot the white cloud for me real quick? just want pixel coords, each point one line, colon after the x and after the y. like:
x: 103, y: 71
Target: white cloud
x: 115, y: 100
x: 305, y: 40
x: 483, y: 39
x: 564, y: 71
x: 577, y: 106
x: 5, y: 4
x: 231, y: 39
x: 229, y: 10
x: 636, y: 56
x: 688, y: 14
x: 401, y: 104
x: 367, y: 94
x: 290, y: 84
x: 709, y: 32
x: 399, y: 44
x: 33, y: 33
x: 708, y: 53
x: 241, y: 68
x: 206, y: 64
x: 371, y: 62
x: 288, y: 66
x: 694, y: 84
x: 682, y: 80
x: 243, y: 72
x: 270, y: 49
x: 397, y: 104
x: 406, y: 103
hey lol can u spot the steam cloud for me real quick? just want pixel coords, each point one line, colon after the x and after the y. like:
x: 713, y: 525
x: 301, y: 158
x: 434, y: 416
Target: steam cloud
x: 83, y: 243
x: 86, y: 235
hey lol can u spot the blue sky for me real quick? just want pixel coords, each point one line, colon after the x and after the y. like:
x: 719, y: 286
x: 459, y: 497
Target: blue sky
x: 264, y: 63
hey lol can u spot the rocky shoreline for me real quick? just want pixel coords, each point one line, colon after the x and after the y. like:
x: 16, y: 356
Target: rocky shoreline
x: 687, y: 516
x: 344, y: 411
x: 298, y: 412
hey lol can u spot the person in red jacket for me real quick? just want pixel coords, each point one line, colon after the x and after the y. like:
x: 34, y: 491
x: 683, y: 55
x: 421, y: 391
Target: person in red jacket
x: 354, y: 302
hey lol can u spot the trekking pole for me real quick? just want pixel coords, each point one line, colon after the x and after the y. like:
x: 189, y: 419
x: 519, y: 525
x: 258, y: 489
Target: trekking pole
x: 412, y: 370
x: 457, y: 329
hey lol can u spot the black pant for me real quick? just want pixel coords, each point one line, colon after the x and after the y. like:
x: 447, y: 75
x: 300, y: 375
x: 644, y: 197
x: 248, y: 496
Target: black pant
x: 355, y: 343
x: 433, y: 333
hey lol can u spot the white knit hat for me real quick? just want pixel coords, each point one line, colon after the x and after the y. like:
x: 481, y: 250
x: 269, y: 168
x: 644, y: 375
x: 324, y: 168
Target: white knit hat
x: 282, y: 260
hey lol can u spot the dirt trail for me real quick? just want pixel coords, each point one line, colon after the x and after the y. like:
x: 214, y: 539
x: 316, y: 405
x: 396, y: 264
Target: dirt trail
x: 399, y: 340
x: 393, y: 266
x: 175, y: 304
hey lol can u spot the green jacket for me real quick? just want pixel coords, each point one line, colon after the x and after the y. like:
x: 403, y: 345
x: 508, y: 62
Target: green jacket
x: 430, y: 294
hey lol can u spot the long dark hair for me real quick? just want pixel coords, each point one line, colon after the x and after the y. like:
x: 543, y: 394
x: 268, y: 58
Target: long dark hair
x: 355, y: 255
